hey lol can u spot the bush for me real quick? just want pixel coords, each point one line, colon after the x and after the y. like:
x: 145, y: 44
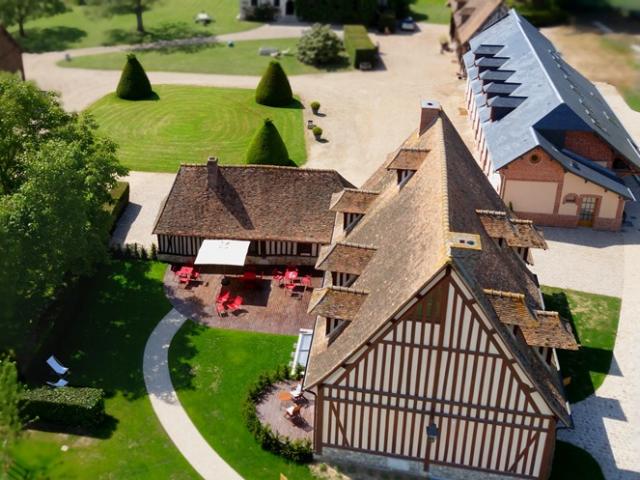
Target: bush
x: 67, y: 406
x: 319, y: 46
x: 388, y: 21
x: 359, y: 46
x: 545, y: 17
x: 317, y: 131
x: 134, y: 83
x: 274, y: 89
x: 260, y: 13
x: 337, y: 11
x: 267, y: 147
x: 298, y: 451
x: 119, y: 201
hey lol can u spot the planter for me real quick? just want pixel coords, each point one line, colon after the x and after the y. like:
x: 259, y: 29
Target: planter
x: 318, y: 136
x: 310, y: 124
x: 315, y: 110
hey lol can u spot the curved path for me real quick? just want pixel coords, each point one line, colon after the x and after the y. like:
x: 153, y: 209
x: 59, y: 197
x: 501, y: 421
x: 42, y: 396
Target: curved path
x: 164, y: 400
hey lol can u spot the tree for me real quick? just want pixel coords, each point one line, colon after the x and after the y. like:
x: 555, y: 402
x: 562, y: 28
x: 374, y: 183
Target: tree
x: 10, y: 421
x: 134, y: 83
x: 319, y: 46
x: 274, y: 89
x: 56, y: 173
x: 14, y: 12
x: 267, y: 147
x: 119, y: 7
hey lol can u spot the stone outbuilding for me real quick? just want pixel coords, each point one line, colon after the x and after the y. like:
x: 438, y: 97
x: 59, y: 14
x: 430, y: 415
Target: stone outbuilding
x: 10, y: 54
x: 546, y: 138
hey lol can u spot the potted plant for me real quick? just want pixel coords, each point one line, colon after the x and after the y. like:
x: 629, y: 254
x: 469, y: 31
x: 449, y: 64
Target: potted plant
x: 315, y: 107
x: 317, y: 132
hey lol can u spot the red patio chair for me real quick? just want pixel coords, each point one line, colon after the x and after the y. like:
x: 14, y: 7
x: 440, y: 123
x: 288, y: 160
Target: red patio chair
x: 235, y: 304
x: 278, y: 276
x: 306, y: 282
x: 223, y: 296
x: 290, y: 288
x: 220, y: 309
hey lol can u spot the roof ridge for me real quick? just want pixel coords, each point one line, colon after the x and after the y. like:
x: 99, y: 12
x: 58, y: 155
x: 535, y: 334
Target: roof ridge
x: 336, y: 288
x: 502, y: 293
x: 266, y: 167
x: 360, y: 190
x: 355, y: 245
x: 444, y: 176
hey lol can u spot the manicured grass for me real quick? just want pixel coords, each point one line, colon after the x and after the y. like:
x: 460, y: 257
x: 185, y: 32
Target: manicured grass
x: 432, y: 11
x: 573, y: 462
x: 104, y: 349
x: 212, y: 370
x: 595, y: 321
x: 188, y: 124
x: 81, y: 27
x: 242, y: 59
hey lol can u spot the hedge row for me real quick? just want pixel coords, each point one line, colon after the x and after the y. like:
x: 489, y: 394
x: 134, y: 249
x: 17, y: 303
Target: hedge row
x: 65, y: 406
x: 298, y: 451
x: 119, y: 201
x: 359, y: 46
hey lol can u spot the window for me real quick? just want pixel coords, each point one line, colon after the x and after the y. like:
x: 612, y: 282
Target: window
x: 343, y: 279
x: 253, y: 248
x: 332, y: 325
x: 404, y: 176
x: 304, y: 249
x: 534, y: 159
x: 350, y: 220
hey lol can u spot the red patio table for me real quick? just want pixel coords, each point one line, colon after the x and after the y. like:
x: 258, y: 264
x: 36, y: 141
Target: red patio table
x: 223, y: 296
x: 290, y: 275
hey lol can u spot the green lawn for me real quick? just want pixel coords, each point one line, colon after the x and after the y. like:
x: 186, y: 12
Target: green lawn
x: 188, y: 124
x: 432, y: 11
x: 573, y: 462
x: 242, y: 59
x: 595, y: 321
x: 81, y: 27
x: 212, y: 370
x: 104, y: 349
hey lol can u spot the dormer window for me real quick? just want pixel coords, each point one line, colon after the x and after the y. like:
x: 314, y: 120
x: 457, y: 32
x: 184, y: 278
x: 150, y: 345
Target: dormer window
x: 343, y: 279
x: 404, y: 176
x: 350, y: 220
x: 331, y: 325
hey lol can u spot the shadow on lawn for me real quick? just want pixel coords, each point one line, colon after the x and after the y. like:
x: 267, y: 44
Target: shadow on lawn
x: 182, y: 351
x: 164, y: 32
x: 50, y: 39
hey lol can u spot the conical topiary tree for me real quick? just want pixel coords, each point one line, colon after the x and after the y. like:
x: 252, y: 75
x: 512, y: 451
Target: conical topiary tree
x: 134, y: 83
x: 274, y: 89
x: 267, y: 147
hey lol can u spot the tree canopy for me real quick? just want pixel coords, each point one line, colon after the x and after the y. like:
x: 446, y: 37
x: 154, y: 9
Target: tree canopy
x: 134, y: 83
x: 10, y: 421
x: 56, y: 173
x: 118, y: 7
x: 319, y: 46
x: 267, y: 147
x: 17, y: 12
x: 274, y: 89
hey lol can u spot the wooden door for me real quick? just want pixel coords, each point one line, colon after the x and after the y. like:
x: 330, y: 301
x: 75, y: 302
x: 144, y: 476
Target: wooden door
x: 587, y: 211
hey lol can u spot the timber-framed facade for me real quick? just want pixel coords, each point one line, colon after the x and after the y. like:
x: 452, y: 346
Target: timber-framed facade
x: 443, y: 360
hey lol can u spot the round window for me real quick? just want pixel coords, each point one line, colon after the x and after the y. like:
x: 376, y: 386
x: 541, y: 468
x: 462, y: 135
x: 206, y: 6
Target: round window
x: 534, y: 159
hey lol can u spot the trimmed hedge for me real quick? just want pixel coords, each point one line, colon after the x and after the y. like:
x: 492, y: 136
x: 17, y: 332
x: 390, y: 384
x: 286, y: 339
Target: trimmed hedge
x: 134, y: 83
x: 119, y: 201
x: 267, y: 147
x: 274, y: 89
x: 67, y: 406
x: 359, y: 46
x: 298, y: 451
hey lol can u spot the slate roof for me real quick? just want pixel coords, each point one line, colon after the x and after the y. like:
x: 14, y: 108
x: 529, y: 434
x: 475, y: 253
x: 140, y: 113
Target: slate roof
x: 251, y: 202
x: 440, y: 198
x: 555, y: 97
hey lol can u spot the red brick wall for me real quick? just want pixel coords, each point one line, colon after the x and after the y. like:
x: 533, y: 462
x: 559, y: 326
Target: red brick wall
x: 589, y: 145
x: 546, y: 169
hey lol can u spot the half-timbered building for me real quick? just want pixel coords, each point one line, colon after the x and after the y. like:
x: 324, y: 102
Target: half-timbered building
x: 546, y: 138
x: 282, y: 211
x: 10, y: 53
x: 432, y: 351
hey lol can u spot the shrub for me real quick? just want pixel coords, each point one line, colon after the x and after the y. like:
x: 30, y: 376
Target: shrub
x: 298, y: 451
x: 119, y: 201
x: 315, y: 106
x: 267, y: 147
x: 317, y: 131
x: 337, y: 11
x: 260, y: 13
x: 545, y: 17
x: 359, y: 46
x: 388, y: 21
x: 65, y: 406
x: 134, y: 83
x: 319, y: 46
x: 274, y: 89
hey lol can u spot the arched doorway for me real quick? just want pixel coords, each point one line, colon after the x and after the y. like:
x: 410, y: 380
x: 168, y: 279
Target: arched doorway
x: 289, y: 8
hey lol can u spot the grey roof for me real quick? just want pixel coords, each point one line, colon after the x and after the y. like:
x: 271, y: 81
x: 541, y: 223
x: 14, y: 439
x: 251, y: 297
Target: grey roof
x: 556, y: 97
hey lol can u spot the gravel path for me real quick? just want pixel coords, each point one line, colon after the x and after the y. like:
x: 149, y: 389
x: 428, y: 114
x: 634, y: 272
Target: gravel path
x: 169, y: 410
x: 607, y: 424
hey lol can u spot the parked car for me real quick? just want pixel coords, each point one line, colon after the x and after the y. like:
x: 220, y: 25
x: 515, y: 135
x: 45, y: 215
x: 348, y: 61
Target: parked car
x: 408, y: 25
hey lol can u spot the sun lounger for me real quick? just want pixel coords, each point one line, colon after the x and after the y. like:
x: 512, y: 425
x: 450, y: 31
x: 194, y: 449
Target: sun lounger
x: 292, y: 412
x: 297, y: 393
x: 56, y: 365
x: 60, y: 383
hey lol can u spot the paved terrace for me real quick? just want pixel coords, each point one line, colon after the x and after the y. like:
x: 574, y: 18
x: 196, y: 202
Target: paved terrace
x: 271, y: 411
x: 267, y: 307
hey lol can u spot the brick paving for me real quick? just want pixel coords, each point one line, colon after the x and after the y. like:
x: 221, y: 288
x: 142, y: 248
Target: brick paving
x: 272, y: 412
x: 266, y: 308
x: 607, y: 424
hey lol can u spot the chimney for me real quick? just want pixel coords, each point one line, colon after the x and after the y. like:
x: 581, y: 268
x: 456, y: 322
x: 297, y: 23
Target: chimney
x: 212, y: 173
x: 430, y: 110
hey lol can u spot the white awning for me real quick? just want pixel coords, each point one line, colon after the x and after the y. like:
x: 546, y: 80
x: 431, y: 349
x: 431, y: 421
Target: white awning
x: 222, y: 252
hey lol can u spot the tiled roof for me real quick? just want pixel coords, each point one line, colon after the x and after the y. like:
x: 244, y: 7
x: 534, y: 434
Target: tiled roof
x: 336, y: 302
x: 511, y: 308
x: 411, y: 228
x: 352, y: 200
x: 549, y: 96
x: 344, y: 257
x: 408, y: 159
x: 470, y: 17
x: 551, y: 331
x: 516, y: 232
x: 251, y: 203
